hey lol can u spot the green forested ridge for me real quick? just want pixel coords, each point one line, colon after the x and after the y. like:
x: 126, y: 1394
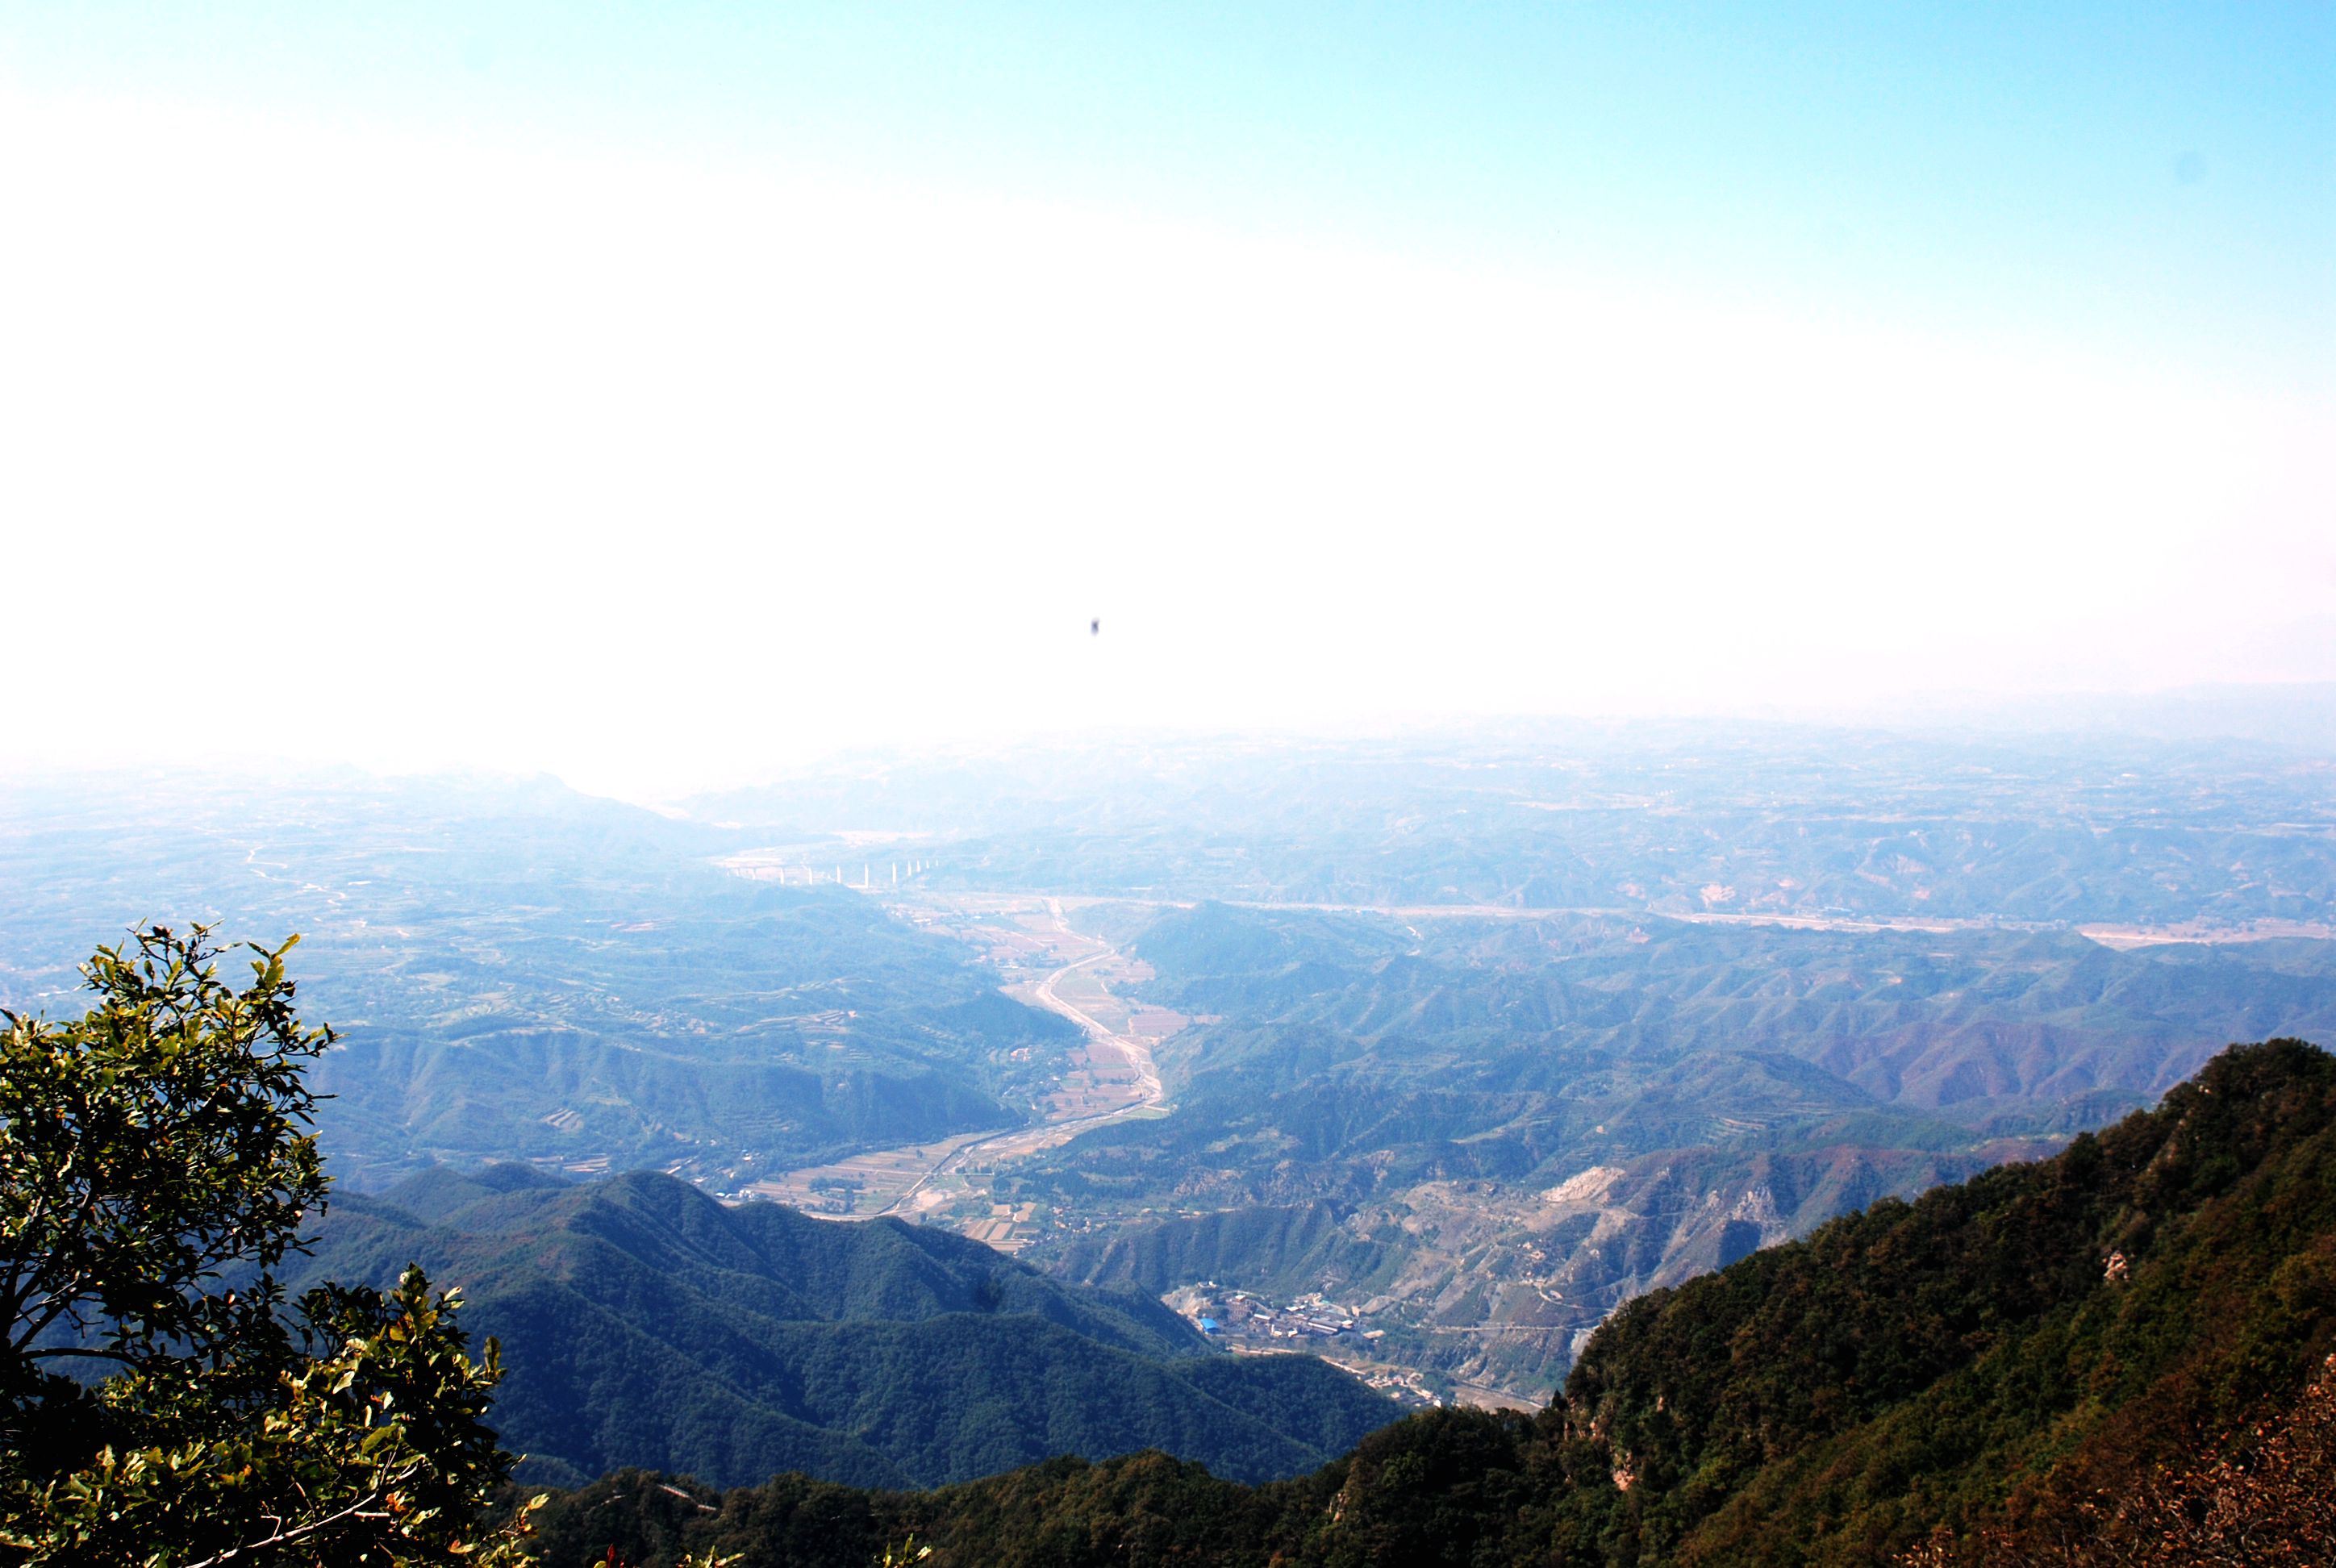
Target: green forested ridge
x: 646, y: 1324
x: 1387, y: 1109
x: 2015, y: 1353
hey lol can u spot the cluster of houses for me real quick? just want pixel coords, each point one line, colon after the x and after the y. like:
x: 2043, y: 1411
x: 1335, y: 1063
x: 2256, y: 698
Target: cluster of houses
x: 1246, y: 1315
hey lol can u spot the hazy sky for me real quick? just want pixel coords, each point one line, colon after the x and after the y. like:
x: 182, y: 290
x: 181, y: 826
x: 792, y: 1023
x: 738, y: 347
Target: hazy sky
x: 660, y: 394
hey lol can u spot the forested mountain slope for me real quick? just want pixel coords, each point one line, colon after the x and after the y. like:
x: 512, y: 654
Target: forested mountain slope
x: 1451, y: 1123
x: 1991, y: 1370
x: 645, y: 1324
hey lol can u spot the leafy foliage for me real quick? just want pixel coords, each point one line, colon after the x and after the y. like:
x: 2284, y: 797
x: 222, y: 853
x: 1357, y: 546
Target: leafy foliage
x: 146, y: 1145
x: 151, y: 1149
x: 375, y: 1450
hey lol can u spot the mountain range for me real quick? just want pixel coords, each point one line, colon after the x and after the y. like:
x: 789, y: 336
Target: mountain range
x: 519, y: 972
x: 1458, y: 1124
x: 2121, y: 1354
x: 644, y: 1323
x: 1799, y: 971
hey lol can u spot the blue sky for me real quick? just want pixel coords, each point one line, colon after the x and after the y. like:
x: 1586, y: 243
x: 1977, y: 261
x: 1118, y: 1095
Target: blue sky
x: 2160, y: 179
x: 602, y: 369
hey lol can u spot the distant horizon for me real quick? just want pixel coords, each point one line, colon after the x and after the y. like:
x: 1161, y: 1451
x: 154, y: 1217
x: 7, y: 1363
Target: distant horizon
x: 2197, y: 713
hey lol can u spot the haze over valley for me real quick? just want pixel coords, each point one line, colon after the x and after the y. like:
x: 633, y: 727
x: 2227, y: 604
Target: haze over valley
x: 1421, y: 1055
x: 1069, y: 786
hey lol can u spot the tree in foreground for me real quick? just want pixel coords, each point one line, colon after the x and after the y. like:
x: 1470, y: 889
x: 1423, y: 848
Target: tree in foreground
x: 159, y: 1403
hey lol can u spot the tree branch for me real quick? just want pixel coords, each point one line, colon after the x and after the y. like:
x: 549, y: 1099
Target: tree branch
x: 78, y: 1350
x: 33, y: 1326
x: 356, y: 1510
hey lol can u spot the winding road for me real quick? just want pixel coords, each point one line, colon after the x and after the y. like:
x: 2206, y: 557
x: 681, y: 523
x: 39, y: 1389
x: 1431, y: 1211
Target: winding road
x: 1030, y: 1139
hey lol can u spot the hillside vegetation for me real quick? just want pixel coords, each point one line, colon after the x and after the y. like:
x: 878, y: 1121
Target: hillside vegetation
x: 1455, y: 1123
x: 2005, y: 1368
x: 646, y: 1324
